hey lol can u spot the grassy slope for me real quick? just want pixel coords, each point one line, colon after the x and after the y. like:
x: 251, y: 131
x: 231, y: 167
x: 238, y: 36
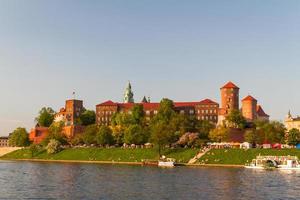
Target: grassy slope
x: 102, y: 154
x: 241, y: 157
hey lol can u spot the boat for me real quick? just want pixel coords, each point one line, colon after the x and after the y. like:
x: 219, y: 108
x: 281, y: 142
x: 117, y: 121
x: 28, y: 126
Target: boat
x: 166, y: 162
x: 275, y: 162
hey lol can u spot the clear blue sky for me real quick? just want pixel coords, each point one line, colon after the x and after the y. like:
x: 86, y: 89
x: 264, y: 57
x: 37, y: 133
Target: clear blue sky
x: 183, y: 50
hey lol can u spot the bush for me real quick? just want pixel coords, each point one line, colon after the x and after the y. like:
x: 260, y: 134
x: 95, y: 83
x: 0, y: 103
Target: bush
x: 104, y: 136
x: 53, y: 146
x: 35, y: 149
x: 188, y: 139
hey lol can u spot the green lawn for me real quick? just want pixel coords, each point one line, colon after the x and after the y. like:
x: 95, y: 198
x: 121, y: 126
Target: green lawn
x: 103, y: 154
x: 241, y: 157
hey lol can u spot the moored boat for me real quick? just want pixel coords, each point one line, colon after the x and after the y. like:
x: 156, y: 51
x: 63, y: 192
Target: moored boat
x: 275, y: 162
x: 166, y: 162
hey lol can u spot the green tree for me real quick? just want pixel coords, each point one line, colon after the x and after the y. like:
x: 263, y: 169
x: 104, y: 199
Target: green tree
x: 293, y: 137
x: 161, y: 135
x: 252, y: 136
x: 45, y: 117
x: 137, y: 113
x: 203, y: 127
x: 165, y: 126
x: 219, y: 134
x: 272, y: 132
x: 104, y: 136
x: 88, y: 117
x: 56, y: 133
x: 135, y: 134
x: 89, y: 134
x: 235, y: 119
x: 19, y: 138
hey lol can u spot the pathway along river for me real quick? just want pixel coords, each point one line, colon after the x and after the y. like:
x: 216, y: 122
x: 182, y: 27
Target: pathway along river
x: 28, y: 180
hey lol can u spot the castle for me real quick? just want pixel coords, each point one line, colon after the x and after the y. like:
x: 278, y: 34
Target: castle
x: 206, y: 109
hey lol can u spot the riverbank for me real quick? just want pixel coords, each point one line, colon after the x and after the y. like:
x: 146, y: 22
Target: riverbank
x: 102, y: 155
x: 240, y: 157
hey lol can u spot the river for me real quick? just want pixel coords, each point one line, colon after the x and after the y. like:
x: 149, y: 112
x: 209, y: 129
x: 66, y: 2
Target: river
x: 29, y: 180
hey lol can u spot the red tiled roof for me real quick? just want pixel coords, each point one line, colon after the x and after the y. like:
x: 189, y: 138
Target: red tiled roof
x: 108, y: 103
x: 249, y: 98
x: 261, y: 112
x: 230, y: 85
x: 149, y: 106
x: 207, y: 101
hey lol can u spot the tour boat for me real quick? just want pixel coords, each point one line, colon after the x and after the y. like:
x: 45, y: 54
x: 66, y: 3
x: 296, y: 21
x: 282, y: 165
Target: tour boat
x: 166, y: 162
x: 275, y: 162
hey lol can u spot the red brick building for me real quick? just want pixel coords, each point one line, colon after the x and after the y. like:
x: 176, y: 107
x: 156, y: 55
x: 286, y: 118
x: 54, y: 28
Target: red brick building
x: 203, y: 110
x: 69, y: 115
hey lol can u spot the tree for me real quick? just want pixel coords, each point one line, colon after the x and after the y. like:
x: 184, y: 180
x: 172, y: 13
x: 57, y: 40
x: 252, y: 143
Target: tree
x: 165, y: 126
x: 252, y: 136
x: 235, y: 119
x: 54, y: 146
x: 88, y: 117
x: 135, y: 134
x: 293, y: 137
x: 89, y: 134
x: 219, y: 134
x: 161, y: 135
x: 272, y: 132
x: 45, y: 117
x: 104, y: 136
x: 56, y: 132
x: 137, y: 113
x: 203, y: 127
x: 19, y: 138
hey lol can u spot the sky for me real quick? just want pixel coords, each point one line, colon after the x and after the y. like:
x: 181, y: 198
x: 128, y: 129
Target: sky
x: 183, y: 50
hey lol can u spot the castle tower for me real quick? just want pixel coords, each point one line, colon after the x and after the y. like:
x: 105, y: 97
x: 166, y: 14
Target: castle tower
x: 249, y: 106
x: 128, y: 95
x: 229, y: 100
x: 73, y: 109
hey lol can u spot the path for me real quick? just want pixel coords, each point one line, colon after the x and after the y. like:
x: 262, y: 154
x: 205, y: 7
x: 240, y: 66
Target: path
x: 198, y: 156
x: 6, y: 150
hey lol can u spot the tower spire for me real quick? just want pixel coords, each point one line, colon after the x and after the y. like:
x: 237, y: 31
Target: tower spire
x: 128, y: 95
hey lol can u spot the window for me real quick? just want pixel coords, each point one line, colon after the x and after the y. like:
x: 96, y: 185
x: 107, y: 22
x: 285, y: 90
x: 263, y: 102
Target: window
x: 191, y: 112
x: 155, y: 112
x: 148, y: 112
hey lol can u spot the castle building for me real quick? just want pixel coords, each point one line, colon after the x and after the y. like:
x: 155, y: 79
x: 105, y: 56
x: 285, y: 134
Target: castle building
x: 4, y: 141
x: 250, y: 110
x: 292, y: 122
x: 69, y: 115
x: 202, y: 110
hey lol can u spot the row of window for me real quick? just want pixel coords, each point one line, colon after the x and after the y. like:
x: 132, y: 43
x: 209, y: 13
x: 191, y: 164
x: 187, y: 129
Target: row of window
x: 209, y: 106
x: 215, y: 118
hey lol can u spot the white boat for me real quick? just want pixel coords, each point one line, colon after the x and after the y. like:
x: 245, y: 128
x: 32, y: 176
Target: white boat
x: 166, y: 162
x: 275, y: 162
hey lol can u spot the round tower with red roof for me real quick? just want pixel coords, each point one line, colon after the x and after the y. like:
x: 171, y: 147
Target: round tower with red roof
x: 249, y: 106
x: 229, y: 97
x: 229, y: 100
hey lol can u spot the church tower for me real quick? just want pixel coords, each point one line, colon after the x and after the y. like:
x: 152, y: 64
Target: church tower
x: 128, y: 95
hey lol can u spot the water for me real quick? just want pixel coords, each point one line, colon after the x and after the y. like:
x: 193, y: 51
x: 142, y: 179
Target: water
x: 26, y: 180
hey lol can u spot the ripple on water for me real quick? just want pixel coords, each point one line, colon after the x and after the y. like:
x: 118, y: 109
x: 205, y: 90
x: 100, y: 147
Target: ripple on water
x: 26, y: 180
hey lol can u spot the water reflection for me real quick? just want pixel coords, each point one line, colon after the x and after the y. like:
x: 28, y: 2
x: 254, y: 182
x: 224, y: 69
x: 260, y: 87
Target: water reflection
x: 25, y: 180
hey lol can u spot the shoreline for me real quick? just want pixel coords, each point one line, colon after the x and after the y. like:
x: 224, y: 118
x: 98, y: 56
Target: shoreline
x: 118, y: 163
